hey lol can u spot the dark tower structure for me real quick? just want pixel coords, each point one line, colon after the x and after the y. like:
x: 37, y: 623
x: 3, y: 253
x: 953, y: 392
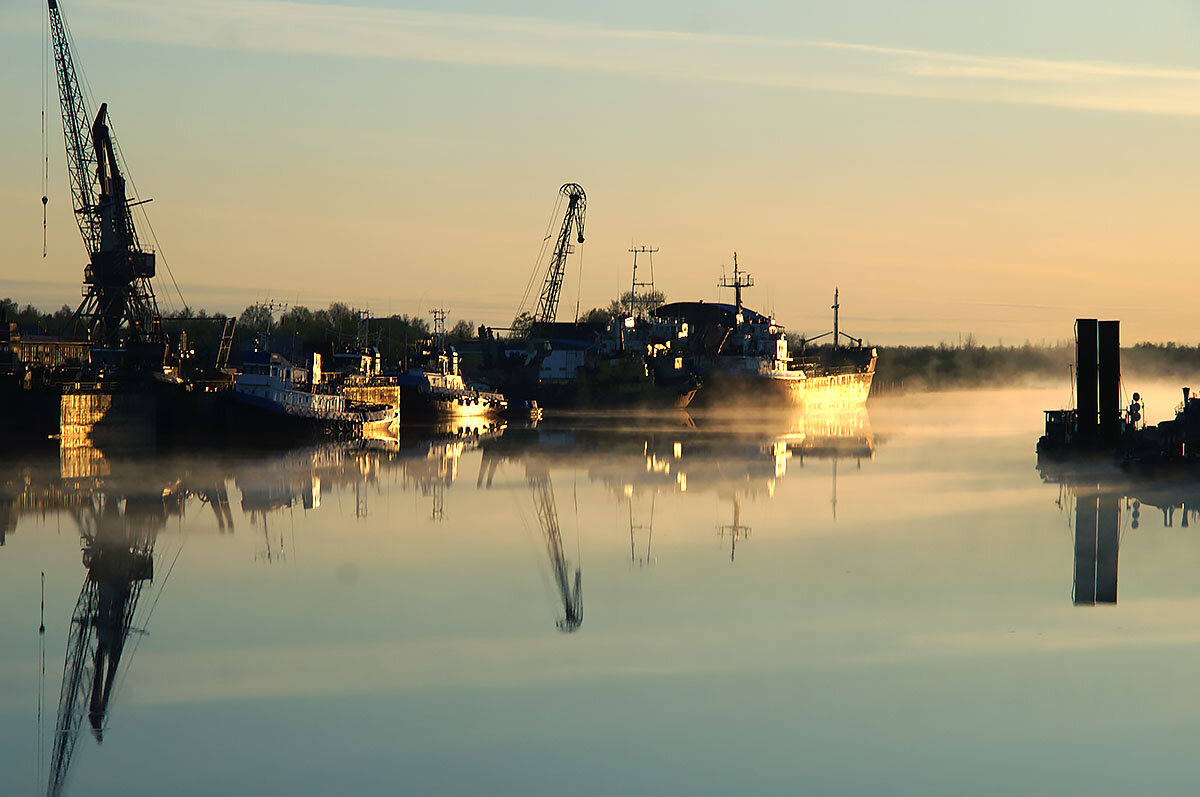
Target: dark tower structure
x: 1086, y: 381
x: 118, y: 309
x: 1109, y: 370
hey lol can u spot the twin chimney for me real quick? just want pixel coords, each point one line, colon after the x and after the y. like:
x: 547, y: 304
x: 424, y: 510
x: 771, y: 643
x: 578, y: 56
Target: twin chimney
x: 1097, y: 382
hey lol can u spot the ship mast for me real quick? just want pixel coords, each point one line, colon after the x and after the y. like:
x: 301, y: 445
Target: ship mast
x: 634, y: 285
x: 740, y: 280
x: 836, y: 306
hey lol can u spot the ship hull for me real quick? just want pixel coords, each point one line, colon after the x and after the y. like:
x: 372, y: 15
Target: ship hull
x: 836, y: 388
x: 576, y: 395
x: 420, y: 405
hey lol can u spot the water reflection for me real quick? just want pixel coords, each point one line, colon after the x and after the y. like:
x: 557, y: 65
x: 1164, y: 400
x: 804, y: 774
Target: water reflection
x: 730, y: 455
x: 1105, y: 502
x: 122, y: 503
x: 118, y: 533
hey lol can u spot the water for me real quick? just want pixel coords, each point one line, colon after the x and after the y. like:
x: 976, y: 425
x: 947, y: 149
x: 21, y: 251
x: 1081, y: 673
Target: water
x: 840, y: 605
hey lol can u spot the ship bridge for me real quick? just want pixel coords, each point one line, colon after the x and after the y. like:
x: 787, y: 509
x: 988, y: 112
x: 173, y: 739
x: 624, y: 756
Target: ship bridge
x: 700, y: 314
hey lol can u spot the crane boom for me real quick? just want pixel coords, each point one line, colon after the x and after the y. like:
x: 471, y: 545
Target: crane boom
x: 547, y: 309
x: 77, y: 123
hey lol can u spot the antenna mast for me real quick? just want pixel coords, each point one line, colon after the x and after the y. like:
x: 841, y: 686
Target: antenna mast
x: 836, y: 306
x: 439, y: 326
x: 740, y: 280
x: 634, y: 285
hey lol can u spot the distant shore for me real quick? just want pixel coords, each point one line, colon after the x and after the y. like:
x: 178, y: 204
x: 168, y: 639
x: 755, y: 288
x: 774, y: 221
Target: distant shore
x: 943, y: 366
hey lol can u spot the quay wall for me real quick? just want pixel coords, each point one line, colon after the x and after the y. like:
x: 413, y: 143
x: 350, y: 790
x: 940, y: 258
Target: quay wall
x: 91, y: 416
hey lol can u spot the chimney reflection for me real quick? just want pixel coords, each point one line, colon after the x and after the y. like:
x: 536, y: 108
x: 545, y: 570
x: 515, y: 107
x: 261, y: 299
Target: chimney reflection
x: 1106, y: 501
x: 1097, y: 540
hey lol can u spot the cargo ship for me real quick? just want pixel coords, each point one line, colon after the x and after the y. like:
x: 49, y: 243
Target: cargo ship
x: 742, y: 356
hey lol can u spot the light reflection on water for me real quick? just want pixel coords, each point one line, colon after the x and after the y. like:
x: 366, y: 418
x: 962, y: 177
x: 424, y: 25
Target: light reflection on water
x: 672, y: 603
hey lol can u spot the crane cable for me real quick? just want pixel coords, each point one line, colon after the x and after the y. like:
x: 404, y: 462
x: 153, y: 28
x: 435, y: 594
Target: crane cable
x: 541, y: 254
x: 45, y: 102
x: 145, y: 216
x: 146, y: 622
x: 579, y: 284
x: 42, y: 680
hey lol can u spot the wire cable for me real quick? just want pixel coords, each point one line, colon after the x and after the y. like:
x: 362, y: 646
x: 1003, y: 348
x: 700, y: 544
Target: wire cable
x: 142, y: 212
x: 537, y: 264
x: 579, y: 283
x: 145, y: 623
x: 45, y: 140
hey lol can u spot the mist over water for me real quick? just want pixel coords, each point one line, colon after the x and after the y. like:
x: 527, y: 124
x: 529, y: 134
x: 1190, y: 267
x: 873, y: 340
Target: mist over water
x: 873, y: 602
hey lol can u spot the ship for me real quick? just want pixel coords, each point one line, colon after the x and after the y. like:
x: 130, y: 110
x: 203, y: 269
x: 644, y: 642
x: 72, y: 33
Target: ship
x: 741, y: 355
x: 432, y: 388
x: 291, y: 398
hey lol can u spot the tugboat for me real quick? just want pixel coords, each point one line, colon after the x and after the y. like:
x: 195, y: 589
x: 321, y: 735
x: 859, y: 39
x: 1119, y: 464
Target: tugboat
x: 434, y: 388
x: 290, y: 398
x: 742, y: 355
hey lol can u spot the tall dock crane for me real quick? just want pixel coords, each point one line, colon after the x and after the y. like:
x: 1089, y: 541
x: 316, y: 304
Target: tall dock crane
x: 547, y: 309
x: 119, y: 308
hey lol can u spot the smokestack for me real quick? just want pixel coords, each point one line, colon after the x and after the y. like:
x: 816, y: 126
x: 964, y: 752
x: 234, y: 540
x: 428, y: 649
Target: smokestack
x: 1110, y: 382
x: 1086, y: 381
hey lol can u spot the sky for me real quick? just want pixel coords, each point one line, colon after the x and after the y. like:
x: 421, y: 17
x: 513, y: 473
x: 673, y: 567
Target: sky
x: 993, y: 169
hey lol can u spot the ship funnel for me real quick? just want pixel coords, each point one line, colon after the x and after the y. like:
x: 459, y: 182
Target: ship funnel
x: 1086, y: 381
x: 1110, y: 382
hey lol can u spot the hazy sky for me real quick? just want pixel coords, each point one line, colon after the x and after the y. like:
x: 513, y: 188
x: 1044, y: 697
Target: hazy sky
x: 994, y: 168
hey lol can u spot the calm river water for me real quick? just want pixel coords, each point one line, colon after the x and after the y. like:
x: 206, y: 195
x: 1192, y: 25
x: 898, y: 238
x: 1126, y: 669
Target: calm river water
x: 670, y: 604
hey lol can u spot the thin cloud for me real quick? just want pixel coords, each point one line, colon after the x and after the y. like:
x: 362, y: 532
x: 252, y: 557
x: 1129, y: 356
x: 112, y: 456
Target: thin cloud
x: 279, y: 26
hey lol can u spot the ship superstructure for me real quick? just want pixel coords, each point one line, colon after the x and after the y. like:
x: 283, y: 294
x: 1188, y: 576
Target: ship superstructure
x: 743, y: 355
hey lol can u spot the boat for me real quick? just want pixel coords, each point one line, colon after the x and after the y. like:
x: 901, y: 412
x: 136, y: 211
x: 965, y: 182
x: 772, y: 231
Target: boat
x: 743, y: 355
x: 434, y: 389
x: 293, y: 397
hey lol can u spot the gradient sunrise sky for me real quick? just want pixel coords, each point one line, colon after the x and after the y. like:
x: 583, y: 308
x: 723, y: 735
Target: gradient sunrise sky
x: 985, y: 168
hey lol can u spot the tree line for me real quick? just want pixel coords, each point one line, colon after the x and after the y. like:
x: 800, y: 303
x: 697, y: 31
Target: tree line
x: 933, y: 367
x: 287, y: 332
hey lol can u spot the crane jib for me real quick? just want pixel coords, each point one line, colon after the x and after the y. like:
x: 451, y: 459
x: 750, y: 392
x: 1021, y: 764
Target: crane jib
x: 547, y: 309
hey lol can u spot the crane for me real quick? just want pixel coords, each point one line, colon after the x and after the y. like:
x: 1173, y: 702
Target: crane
x: 570, y: 591
x: 119, y: 561
x: 119, y: 307
x: 547, y: 309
